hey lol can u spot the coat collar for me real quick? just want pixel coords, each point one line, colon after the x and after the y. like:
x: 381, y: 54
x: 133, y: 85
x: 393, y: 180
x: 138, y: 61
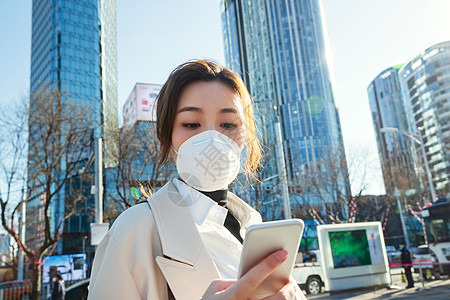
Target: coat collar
x: 243, y: 212
x: 200, y: 206
x: 180, y: 239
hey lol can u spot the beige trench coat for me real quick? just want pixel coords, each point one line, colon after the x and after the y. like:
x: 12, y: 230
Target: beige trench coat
x: 146, y: 249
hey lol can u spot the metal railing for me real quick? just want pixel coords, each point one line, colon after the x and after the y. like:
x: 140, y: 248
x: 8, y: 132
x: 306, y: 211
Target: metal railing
x: 421, y: 264
x: 22, y: 290
x: 15, y: 291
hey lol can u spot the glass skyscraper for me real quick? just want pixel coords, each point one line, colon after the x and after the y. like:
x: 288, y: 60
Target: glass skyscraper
x: 74, y: 52
x: 278, y: 48
x: 425, y: 84
x: 386, y: 107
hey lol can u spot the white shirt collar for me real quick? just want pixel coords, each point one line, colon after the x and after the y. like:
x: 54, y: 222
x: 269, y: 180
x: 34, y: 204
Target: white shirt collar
x: 200, y: 206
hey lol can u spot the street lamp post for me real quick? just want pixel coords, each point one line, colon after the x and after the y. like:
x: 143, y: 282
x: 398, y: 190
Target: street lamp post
x: 402, y: 219
x: 418, y: 139
x: 282, y: 172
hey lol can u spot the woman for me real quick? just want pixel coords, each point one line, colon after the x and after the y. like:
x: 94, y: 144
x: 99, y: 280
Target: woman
x: 186, y: 243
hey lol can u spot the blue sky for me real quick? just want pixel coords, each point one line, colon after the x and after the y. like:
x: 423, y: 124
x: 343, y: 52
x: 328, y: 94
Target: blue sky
x: 153, y: 37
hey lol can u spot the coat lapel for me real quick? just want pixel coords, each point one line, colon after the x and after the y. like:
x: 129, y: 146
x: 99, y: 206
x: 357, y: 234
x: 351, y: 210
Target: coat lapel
x: 187, y: 266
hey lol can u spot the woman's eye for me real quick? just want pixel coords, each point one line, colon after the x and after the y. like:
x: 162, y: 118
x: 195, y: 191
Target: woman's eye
x: 229, y: 125
x: 191, y: 125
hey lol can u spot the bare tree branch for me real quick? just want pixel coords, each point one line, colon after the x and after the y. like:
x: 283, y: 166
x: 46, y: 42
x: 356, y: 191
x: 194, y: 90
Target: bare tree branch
x: 137, y: 166
x: 39, y: 141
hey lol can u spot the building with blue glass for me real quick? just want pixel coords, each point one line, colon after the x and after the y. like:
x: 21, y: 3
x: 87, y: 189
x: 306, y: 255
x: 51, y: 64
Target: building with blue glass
x: 425, y: 85
x: 395, y: 150
x: 73, y: 51
x: 278, y: 48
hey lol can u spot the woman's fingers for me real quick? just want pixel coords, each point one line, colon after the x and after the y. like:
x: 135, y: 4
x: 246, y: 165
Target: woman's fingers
x: 287, y: 292
x: 217, y: 286
x: 244, y: 287
x: 253, y: 278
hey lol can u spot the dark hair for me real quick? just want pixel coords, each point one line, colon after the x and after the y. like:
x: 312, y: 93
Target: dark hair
x: 204, y: 70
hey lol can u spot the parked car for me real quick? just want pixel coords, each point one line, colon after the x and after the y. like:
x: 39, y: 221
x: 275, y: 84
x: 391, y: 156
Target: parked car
x: 15, y: 290
x: 394, y: 255
x: 421, y: 256
x: 308, y: 273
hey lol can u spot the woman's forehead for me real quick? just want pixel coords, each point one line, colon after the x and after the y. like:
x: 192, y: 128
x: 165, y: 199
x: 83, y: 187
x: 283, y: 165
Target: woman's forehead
x: 213, y: 95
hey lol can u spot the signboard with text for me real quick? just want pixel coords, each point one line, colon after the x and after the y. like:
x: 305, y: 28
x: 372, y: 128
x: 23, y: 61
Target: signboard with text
x: 70, y: 266
x: 141, y: 104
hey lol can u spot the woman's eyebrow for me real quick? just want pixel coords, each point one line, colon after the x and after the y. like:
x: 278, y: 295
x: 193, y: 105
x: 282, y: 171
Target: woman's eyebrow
x: 229, y: 110
x: 197, y: 109
x: 190, y: 108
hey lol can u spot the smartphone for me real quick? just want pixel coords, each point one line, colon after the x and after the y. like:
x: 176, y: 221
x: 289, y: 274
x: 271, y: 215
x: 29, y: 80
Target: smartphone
x: 265, y: 238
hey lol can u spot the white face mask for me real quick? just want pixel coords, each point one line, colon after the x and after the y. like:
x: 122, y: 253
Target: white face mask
x: 208, y: 161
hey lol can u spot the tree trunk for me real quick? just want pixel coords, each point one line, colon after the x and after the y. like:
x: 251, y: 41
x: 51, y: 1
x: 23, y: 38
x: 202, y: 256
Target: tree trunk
x: 36, y: 280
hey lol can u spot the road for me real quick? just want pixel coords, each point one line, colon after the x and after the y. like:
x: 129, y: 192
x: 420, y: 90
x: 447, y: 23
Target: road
x: 433, y: 289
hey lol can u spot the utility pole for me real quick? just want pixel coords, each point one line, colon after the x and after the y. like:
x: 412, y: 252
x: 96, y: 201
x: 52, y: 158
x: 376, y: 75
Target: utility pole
x: 282, y: 171
x: 98, y: 181
x: 22, y: 224
x: 402, y: 220
x: 98, y: 229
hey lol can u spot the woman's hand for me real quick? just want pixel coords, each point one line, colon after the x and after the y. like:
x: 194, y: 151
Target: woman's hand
x: 244, y: 287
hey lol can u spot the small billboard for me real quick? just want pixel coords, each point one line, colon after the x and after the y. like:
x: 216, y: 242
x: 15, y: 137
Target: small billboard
x: 70, y: 266
x: 353, y: 255
x: 141, y: 104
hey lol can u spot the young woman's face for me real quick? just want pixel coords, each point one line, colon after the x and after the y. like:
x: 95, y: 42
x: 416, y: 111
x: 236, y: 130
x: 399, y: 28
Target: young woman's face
x: 208, y: 106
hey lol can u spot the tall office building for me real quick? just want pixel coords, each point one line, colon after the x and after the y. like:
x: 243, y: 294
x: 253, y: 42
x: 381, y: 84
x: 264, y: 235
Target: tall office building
x: 425, y: 84
x: 278, y: 48
x: 386, y: 107
x: 74, y: 52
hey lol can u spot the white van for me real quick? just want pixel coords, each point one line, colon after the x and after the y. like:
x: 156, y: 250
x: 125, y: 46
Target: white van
x: 307, y: 272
